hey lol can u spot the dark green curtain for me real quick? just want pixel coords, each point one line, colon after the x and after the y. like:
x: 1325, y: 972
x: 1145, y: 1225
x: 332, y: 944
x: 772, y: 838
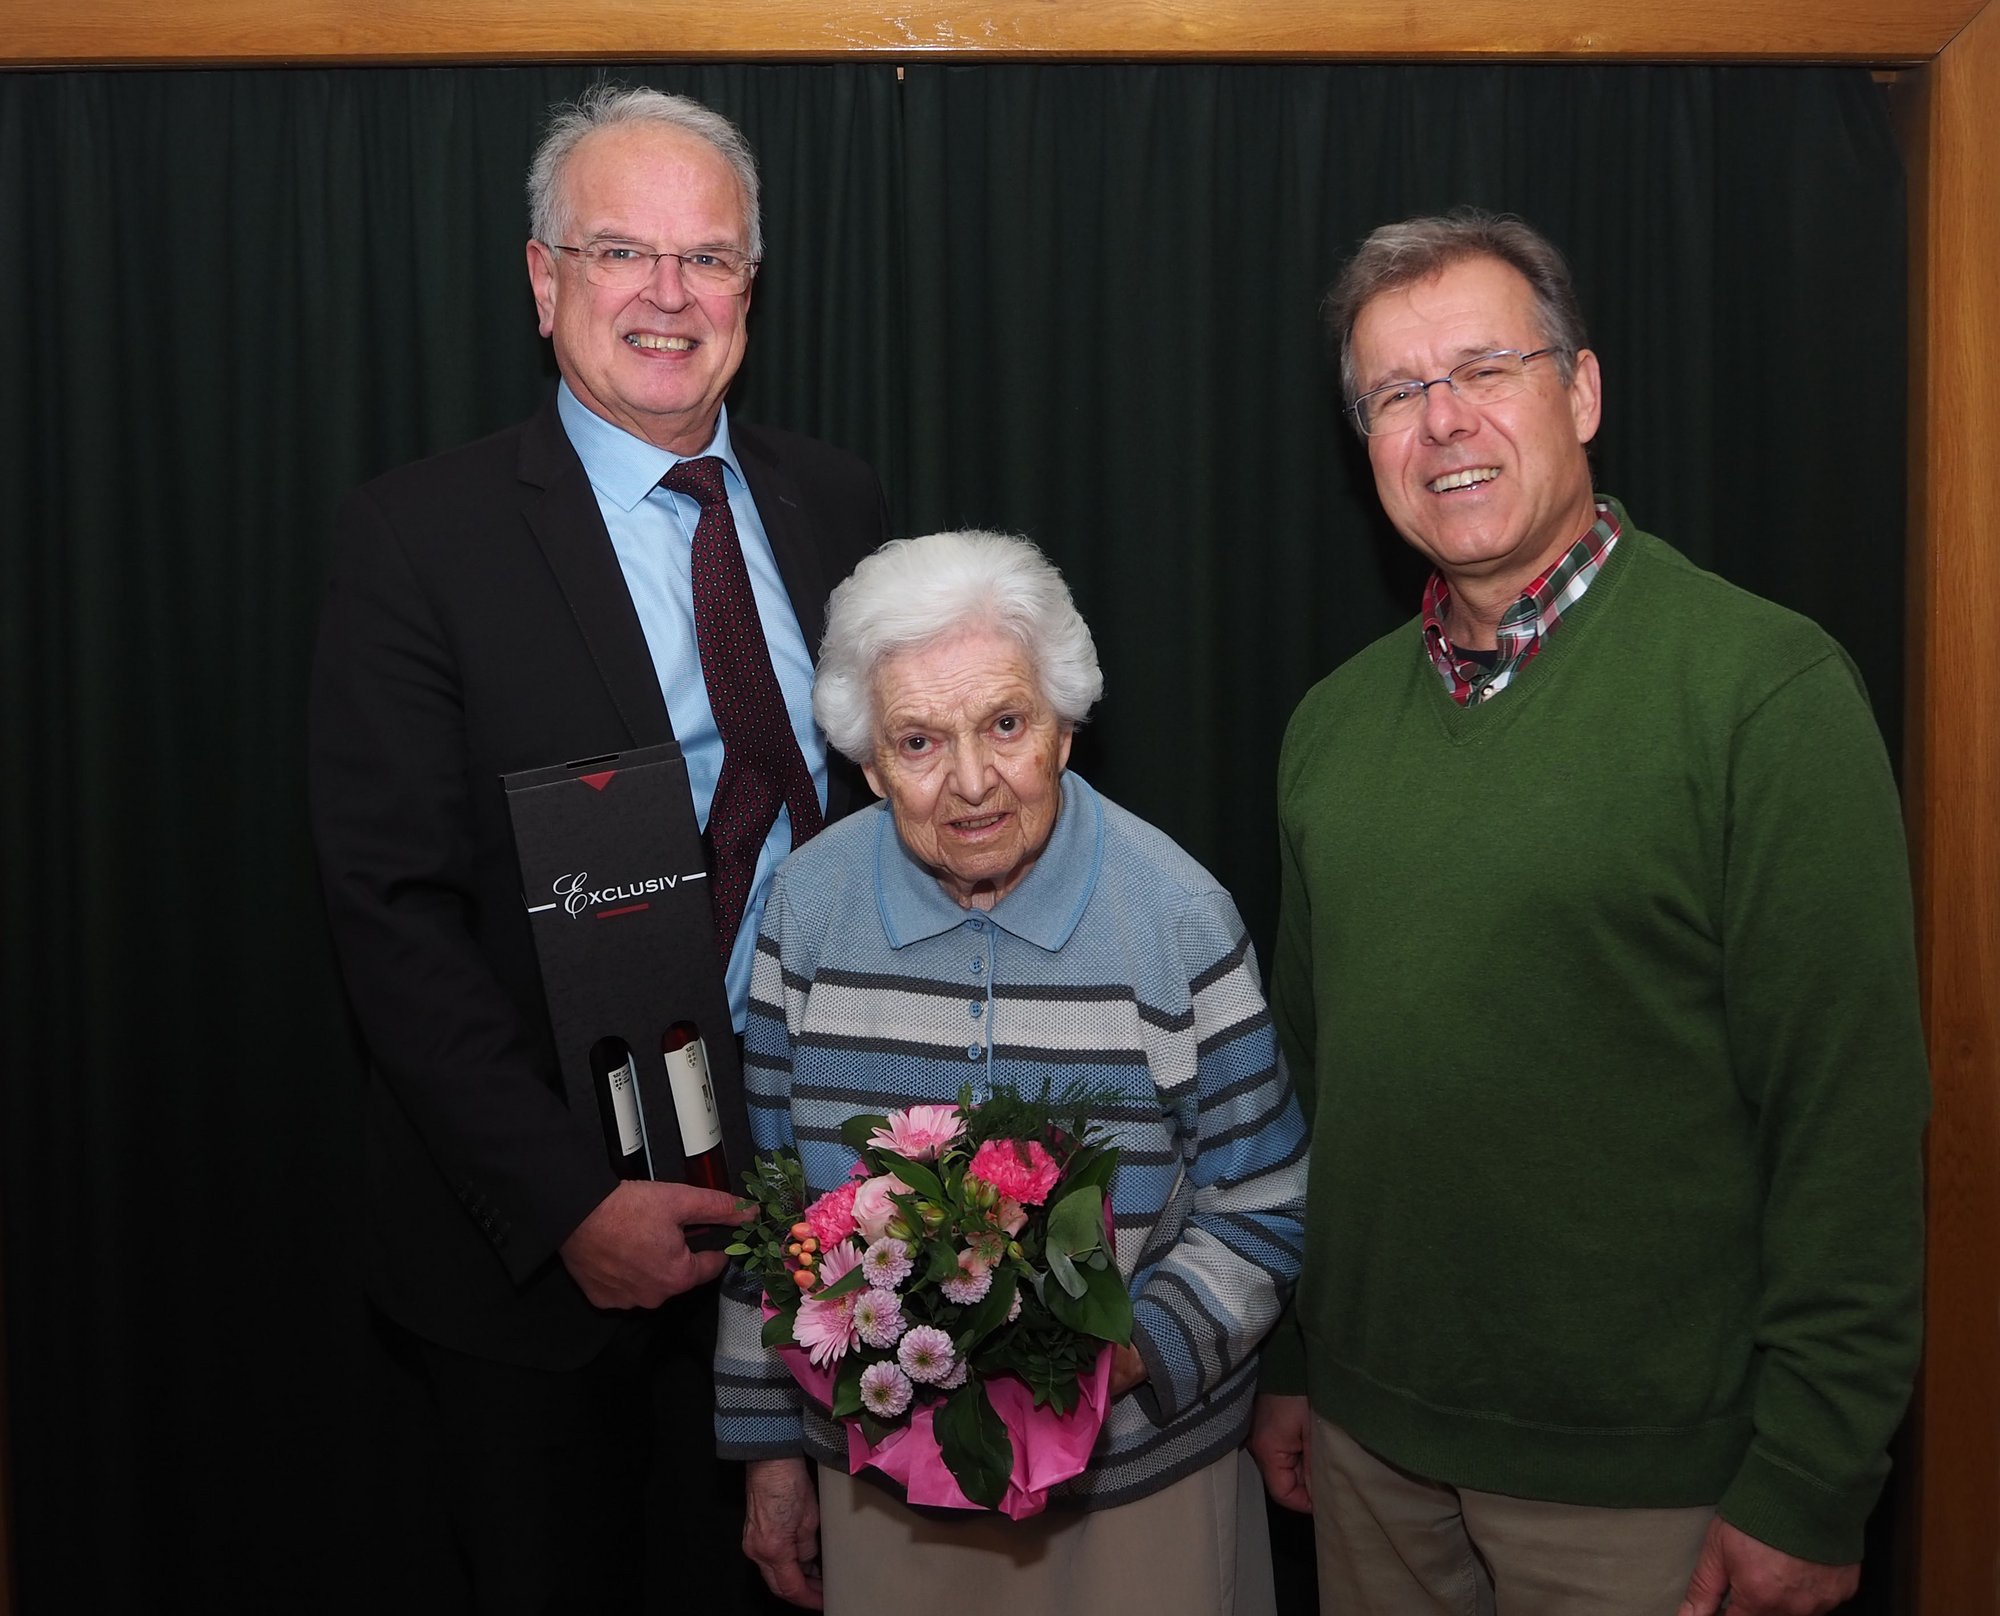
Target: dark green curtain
x: 1077, y: 302
x: 1114, y: 277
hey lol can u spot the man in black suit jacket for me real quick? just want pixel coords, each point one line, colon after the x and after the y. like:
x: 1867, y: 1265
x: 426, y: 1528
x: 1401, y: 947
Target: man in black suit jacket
x: 516, y: 603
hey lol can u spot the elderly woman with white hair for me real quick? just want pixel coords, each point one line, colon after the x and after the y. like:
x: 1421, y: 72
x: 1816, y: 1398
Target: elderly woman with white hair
x: 995, y: 920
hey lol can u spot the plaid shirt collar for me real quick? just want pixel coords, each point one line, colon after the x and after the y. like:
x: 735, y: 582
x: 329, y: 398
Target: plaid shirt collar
x: 1524, y: 624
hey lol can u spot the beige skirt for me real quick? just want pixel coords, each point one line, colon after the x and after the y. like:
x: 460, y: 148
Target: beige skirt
x: 1196, y: 1548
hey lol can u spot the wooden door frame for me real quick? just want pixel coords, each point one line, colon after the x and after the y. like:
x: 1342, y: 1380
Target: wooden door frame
x: 1946, y: 94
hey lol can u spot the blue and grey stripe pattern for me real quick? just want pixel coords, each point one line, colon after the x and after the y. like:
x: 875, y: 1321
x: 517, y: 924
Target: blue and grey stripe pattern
x: 1117, y: 964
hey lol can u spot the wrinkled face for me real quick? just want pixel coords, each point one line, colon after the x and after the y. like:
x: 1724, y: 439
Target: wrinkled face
x: 656, y: 361
x: 971, y: 758
x: 1492, y: 491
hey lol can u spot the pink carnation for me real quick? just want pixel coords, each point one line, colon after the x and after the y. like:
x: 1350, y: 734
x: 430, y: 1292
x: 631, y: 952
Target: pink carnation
x: 1021, y: 1170
x: 832, y: 1216
x: 920, y: 1132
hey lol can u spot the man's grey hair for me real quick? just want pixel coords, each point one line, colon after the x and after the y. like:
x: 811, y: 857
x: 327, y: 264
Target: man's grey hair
x: 616, y: 106
x: 1399, y: 255
x: 913, y: 593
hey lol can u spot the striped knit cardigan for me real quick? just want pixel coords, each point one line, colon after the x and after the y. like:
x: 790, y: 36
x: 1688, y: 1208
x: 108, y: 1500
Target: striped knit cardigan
x: 1117, y: 962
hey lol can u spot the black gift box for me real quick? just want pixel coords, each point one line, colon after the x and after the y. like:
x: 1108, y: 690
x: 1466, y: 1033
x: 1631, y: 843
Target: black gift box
x: 616, y: 885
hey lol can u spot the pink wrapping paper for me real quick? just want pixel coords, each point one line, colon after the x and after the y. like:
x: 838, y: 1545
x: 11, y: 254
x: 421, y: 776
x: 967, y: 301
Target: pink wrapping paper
x: 1048, y: 1447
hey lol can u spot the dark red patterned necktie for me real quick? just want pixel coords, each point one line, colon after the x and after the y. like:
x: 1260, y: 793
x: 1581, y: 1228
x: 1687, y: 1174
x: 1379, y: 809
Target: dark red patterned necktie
x: 762, y: 766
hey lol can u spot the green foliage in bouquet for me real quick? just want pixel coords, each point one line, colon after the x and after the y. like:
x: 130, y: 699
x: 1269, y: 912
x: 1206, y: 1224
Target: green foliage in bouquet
x: 973, y: 1243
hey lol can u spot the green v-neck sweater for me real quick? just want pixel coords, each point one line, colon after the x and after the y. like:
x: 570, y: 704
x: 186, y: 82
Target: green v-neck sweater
x: 1601, y: 1001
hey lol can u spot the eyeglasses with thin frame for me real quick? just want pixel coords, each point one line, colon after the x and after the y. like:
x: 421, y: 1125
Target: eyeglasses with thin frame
x: 1395, y: 406
x: 623, y: 267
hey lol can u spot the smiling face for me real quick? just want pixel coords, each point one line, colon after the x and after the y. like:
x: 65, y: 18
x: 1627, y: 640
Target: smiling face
x: 656, y: 361
x: 970, y: 756
x: 1490, y: 492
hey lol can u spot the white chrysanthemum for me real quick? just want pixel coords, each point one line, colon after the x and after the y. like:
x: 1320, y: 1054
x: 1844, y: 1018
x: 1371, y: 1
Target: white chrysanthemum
x: 878, y: 1316
x: 886, y: 1263
x: 966, y: 1288
x: 925, y: 1354
x: 885, y: 1390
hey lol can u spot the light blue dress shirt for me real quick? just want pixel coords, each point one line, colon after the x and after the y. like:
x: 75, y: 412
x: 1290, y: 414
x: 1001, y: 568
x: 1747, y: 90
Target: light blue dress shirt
x: 652, y: 532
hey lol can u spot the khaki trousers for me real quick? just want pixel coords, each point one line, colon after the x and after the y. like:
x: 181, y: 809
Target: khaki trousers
x: 1393, y: 1544
x: 1197, y: 1548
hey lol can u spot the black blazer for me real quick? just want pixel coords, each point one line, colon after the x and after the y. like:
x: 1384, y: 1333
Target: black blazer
x: 478, y: 623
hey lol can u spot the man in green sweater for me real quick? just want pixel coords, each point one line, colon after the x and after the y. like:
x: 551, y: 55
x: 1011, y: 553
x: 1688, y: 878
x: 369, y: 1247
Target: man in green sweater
x: 1595, y: 972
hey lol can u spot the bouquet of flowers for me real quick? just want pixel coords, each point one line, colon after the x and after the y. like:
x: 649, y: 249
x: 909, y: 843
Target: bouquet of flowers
x: 954, y: 1302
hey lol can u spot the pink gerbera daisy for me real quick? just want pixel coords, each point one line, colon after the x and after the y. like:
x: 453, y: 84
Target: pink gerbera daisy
x: 919, y: 1133
x: 826, y: 1329
x: 838, y: 1260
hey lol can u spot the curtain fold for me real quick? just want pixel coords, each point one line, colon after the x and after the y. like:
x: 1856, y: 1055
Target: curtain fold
x: 1073, y: 301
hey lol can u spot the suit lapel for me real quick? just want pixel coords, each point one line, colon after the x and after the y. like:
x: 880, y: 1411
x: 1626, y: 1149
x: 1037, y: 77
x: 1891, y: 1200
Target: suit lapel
x: 789, y: 526
x: 561, y: 510
x: 796, y: 544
